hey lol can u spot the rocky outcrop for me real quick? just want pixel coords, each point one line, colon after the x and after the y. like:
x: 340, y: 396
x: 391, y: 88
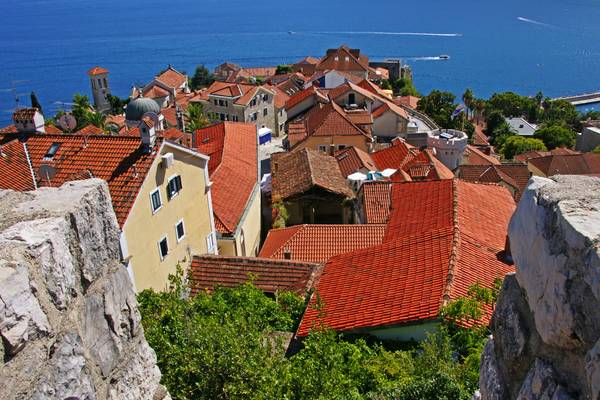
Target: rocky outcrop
x: 546, y: 325
x: 69, y: 321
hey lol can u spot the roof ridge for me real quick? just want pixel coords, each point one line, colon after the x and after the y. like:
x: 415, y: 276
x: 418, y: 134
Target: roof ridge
x: 30, y: 165
x: 310, y: 167
x: 455, y: 245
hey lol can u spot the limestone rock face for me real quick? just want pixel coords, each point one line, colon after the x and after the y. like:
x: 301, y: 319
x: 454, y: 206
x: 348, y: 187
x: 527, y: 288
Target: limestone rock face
x: 546, y: 325
x: 69, y: 320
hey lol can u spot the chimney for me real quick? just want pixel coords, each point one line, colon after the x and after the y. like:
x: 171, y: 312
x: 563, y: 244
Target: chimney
x: 180, y: 120
x: 287, y: 254
x: 148, y: 135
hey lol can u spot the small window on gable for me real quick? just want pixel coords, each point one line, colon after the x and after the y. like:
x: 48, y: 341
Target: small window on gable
x: 51, y: 151
x: 179, y: 231
x: 265, y: 111
x: 155, y: 200
x: 174, y: 186
x: 323, y: 148
x: 163, y: 248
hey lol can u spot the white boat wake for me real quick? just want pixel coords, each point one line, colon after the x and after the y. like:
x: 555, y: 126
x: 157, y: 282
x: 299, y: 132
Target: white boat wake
x: 389, y: 33
x: 532, y: 21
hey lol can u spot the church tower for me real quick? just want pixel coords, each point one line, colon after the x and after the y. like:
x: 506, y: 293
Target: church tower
x: 100, y: 89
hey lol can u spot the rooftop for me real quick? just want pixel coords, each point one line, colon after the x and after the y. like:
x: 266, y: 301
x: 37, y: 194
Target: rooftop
x: 443, y: 236
x: 233, y: 169
x: 298, y: 172
x: 568, y: 164
x: 515, y: 175
x: 268, y: 275
x: 172, y: 78
x: 318, y: 243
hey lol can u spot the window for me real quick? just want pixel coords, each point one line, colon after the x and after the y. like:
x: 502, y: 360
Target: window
x: 216, y: 102
x: 163, y: 248
x: 323, y: 148
x: 99, y: 83
x: 155, y: 200
x: 210, y: 243
x: 222, y: 117
x: 105, y: 84
x: 234, y: 118
x: 174, y: 186
x: 341, y: 146
x: 265, y: 111
x: 351, y: 98
x: 179, y: 231
x: 265, y: 97
x: 253, y: 102
x: 51, y: 151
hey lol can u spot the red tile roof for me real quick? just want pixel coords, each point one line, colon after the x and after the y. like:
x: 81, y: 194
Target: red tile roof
x: 515, y: 175
x: 299, y: 97
x: 261, y: 72
x: 155, y: 92
x: 241, y: 92
x: 97, y: 71
x: 318, y: 243
x: 559, y: 151
x: 172, y: 78
x: 377, y: 201
x: 344, y: 59
x: 119, y: 160
x: 416, y: 164
x: 296, y: 173
x: 233, y: 168
x: 443, y: 236
x: 90, y: 130
x: 410, y: 101
x: 568, y: 164
x: 353, y: 159
x: 473, y: 156
x: 268, y: 275
x: 15, y: 171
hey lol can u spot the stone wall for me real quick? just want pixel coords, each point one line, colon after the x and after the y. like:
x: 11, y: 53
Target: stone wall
x: 69, y: 321
x: 546, y: 326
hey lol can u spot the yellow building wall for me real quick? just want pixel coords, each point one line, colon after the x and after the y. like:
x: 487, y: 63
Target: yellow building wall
x: 143, y: 229
x: 250, y: 225
x: 313, y: 142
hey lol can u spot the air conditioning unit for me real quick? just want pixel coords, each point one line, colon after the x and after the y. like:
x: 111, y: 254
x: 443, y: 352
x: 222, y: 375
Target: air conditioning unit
x: 167, y: 160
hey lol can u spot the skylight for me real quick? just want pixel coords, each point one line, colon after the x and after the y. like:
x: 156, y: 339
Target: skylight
x: 52, y: 151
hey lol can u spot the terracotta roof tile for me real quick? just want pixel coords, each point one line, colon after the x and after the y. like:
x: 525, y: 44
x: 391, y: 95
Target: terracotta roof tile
x: 233, y: 168
x: 172, y: 78
x: 318, y: 243
x: 377, y: 201
x: 515, y: 175
x: 119, y: 160
x: 268, y: 275
x: 474, y: 156
x: 155, y: 92
x: 24, y: 113
x: 15, y: 171
x: 295, y: 173
x: 343, y: 59
x: 443, y: 236
x: 97, y: 71
x: 90, y: 130
x: 353, y: 159
x: 568, y: 164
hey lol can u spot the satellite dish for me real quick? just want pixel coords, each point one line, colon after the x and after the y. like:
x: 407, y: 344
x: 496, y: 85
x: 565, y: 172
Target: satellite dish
x: 47, y: 172
x: 154, y: 117
x: 67, y: 121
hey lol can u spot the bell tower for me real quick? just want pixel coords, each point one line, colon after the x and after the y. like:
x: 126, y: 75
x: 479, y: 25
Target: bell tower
x: 100, y: 88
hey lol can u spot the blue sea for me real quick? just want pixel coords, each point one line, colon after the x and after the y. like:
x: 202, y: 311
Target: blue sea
x: 523, y: 46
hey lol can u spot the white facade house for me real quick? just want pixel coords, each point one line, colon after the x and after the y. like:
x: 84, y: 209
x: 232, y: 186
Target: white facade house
x: 29, y: 120
x: 521, y: 126
x: 449, y: 145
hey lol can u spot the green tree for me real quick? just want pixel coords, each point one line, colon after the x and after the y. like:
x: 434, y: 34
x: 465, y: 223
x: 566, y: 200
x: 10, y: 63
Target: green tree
x: 95, y: 118
x: 561, y: 112
x: 439, y: 106
x: 81, y: 107
x: 386, y: 85
x: 468, y: 98
x: 515, y: 145
x: 596, y: 149
x: 404, y: 87
x: 202, y: 78
x: 117, y: 105
x: 501, y: 134
x: 283, y: 69
x: 511, y: 104
x: 195, y: 118
x: 555, y: 136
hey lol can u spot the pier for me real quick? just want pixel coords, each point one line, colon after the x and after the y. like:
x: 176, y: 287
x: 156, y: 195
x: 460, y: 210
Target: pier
x: 580, y: 99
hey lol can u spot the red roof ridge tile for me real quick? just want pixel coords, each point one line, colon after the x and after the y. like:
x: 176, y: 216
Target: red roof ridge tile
x: 454, y: 253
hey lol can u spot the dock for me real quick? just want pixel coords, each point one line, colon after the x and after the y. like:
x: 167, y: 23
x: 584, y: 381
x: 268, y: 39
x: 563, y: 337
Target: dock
x: 580, y: 99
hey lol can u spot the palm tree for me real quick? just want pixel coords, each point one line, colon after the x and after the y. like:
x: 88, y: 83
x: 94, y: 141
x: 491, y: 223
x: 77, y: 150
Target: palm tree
x: 96, y: 118
x: 195, y: 118
x: 468, y: 99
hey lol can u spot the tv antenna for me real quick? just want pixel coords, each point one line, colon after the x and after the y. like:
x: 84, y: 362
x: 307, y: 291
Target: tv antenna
x: 13, y: 88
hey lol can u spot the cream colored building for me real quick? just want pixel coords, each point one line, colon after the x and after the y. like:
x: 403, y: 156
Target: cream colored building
x: 183, y: 220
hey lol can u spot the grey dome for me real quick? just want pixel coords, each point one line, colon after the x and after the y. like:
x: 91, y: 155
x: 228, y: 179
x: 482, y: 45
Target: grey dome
x: 138, y: 107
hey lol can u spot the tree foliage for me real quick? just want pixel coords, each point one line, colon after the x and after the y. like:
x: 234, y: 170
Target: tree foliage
x: 439, y: 106
x: 561, y: 112
x: 283, y: 69
x: 195, y: 118
x: 223, y: 345
x: 202, y: 78
x: 555, y: 136
x: 117, y: 104
x: 515, y: 145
